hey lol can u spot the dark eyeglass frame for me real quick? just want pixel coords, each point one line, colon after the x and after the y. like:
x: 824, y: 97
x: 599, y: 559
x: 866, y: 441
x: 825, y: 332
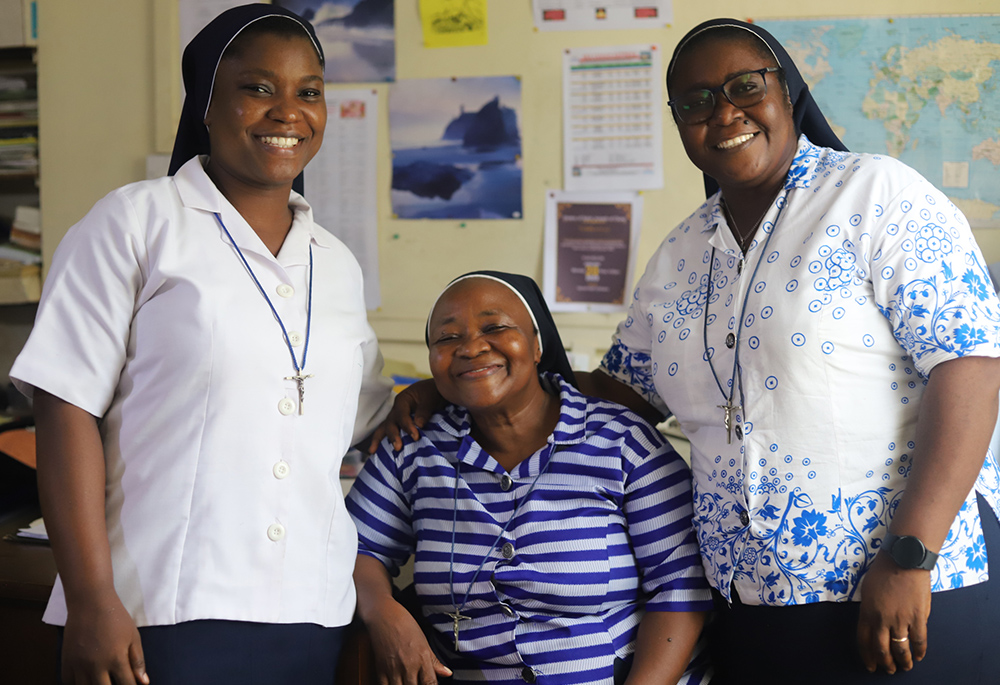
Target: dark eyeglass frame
x: 725, y: 91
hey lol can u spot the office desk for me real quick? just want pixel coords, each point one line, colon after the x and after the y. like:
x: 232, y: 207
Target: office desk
x: 27, y: 646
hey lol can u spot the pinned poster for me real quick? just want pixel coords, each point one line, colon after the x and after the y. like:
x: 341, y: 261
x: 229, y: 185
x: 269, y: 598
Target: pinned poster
x: 453, y: 23
x: 341, y: 183
x: 358, y: 37
x: 612, y: 118
x: 456, y: 148
x: 592, y: 15
x: 590, y: 246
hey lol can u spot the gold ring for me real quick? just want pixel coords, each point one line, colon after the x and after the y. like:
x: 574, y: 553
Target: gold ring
x: 899, y: 639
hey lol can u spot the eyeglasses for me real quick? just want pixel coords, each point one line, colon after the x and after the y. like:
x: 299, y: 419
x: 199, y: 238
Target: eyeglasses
x: 744, y: 90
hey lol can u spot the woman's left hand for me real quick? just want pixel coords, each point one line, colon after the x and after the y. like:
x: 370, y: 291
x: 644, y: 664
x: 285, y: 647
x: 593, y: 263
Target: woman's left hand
x: 895, y: 604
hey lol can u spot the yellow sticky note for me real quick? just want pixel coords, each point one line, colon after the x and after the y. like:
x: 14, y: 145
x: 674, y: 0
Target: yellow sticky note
x: 453, y: 23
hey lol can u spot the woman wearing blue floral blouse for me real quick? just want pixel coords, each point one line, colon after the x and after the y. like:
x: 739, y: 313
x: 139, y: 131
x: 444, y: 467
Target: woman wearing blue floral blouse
x: 825, y: 331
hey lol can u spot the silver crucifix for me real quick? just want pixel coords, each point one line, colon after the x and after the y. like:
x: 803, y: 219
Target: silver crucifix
x: 729, y: 408
x: 300, y: 381
x: 456, y: 617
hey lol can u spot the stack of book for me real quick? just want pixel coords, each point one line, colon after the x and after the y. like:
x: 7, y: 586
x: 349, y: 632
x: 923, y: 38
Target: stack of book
x: 18, y: 126
x: 26, y: 231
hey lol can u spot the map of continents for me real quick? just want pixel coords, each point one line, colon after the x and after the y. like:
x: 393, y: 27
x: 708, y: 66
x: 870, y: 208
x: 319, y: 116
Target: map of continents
x: 924, y: 89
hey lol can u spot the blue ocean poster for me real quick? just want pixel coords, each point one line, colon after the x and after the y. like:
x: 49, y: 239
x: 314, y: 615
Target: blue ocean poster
x: 456, y: 148
x: 358, y: 37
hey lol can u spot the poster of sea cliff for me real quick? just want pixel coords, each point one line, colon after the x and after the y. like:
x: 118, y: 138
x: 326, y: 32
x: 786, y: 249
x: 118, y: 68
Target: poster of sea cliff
x: 358, y: 37
x: 456, y: 148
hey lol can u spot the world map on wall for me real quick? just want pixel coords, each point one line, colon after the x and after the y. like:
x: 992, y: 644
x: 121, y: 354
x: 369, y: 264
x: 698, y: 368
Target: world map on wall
x: 925, y: 90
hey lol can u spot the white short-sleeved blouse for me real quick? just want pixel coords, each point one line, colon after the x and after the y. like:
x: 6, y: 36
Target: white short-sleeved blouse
x: 222, y: 500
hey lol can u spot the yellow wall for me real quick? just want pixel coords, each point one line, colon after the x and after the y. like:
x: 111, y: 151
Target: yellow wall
x: 109, y: 71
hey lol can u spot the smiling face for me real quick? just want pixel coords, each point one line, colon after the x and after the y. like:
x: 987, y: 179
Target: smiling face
x: 747, y: 149
x: 483, y: 347
x: 267, y: 114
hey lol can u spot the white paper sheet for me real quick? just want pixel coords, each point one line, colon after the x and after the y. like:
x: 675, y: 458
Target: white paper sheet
x: 612, y: 118
x: 590, y: 245
x: 341, y: 180
x: 579, y: 15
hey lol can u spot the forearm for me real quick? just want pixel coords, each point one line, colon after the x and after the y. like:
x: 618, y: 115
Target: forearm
x: 599, y: 384
x: 956, y: 419
x: 374, y: 587
x: 664, y: 645
x: 71, y: 483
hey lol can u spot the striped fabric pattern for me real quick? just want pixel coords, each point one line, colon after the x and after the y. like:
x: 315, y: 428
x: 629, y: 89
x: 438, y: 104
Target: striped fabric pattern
x: 605, y: 535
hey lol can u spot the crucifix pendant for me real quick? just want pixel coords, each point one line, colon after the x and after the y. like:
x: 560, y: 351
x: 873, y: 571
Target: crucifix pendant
x: 456, y: 617
x: 729, y: 408
x: 300, y: 381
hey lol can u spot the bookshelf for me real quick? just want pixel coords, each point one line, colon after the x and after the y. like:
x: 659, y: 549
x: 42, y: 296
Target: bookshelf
x: 20, y: 260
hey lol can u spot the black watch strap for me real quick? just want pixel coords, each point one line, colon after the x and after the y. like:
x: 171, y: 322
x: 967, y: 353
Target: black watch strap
x: 909, y: 551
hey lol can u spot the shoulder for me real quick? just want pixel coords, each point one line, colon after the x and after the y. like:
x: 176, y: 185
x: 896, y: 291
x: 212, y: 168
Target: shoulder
x: 824, y: 169
x: 703, y: 219
x: 441, y: 435
x: 132, y: 198
x: 597, y: 421
x: 687, y: 241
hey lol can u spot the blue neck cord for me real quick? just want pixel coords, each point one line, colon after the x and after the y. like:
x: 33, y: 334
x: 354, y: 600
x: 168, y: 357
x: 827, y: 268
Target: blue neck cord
x: 737, y: 379
x: 309, y: 306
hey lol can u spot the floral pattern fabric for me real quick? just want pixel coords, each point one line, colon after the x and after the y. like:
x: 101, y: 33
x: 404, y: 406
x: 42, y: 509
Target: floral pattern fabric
x: 861, y: 278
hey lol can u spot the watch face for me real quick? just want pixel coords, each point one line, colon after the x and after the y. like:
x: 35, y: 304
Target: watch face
x: 908, y: 551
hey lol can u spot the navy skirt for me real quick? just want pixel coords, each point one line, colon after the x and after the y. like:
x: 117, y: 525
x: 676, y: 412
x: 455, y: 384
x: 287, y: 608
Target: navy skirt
x: 211, y: 651
x: 817, y: 643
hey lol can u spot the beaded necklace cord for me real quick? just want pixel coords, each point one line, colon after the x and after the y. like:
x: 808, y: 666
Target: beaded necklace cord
x: 458, y: 616
x: 736, y: 380
x: 299, y: 377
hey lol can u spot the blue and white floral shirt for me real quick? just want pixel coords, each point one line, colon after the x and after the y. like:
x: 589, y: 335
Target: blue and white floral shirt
x: 861, y: 279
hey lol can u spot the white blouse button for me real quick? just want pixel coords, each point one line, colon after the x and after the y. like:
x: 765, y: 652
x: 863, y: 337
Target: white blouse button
x: 286, y: 406
x: 275, y: 532
x: 285, y: 290
x: 295, y: 338
x: 281, y: 470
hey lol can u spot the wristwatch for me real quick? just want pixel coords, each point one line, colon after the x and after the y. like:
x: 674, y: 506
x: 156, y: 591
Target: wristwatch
x: 908, y: 551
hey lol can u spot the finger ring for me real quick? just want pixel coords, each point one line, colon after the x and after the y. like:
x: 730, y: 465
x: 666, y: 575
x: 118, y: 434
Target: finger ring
x: 900, y: 639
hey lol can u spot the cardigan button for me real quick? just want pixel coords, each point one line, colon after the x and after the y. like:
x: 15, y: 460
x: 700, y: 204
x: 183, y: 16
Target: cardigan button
x: 505, y: 482
x: 730, y: 340
x: 507, y: 550
x: 527, y: 675
x: 745, y: 518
